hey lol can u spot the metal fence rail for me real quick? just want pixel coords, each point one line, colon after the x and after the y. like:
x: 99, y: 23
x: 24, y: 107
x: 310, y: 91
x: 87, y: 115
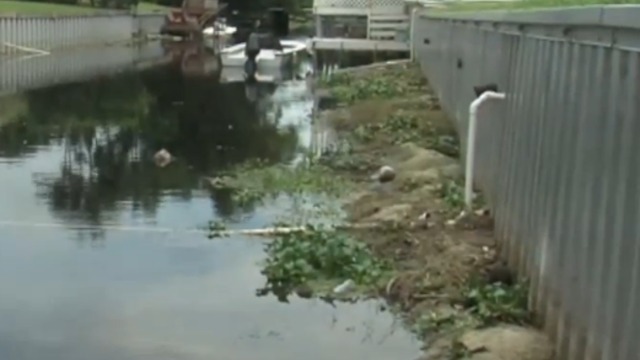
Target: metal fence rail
x: 27, y: 73
x: 558, y: 160
x: 20, y: 34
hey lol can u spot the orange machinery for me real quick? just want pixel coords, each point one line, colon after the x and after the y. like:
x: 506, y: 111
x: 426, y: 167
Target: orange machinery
x: 190, y: 19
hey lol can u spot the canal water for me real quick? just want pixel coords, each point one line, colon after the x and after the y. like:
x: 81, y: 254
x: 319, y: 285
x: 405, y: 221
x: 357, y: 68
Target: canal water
x: 102, y: 256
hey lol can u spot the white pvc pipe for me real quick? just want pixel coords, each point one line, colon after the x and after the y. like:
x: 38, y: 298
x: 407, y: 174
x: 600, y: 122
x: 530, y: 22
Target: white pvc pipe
x: 412, y: 30
x: 471, y: 143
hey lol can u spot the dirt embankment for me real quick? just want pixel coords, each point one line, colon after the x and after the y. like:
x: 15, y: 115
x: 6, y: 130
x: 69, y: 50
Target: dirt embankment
x: 446, y: 278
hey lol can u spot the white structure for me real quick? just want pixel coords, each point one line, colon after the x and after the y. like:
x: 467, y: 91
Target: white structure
x: 234, y: 56
x: 361, y: 25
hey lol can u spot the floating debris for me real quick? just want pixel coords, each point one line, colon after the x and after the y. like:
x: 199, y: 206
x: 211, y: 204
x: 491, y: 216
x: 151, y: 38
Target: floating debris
x: 162, y: 158
x: 344, y: 287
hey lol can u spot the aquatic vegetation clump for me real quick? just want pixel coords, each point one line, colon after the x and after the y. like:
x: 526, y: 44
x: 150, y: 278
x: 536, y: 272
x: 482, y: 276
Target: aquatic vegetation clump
x: 319, y: 257
x: 256, y: 181
x: 384, y: 83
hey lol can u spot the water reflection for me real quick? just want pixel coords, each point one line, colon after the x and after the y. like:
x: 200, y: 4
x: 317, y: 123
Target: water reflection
x: 27, y: 72
x: 81, y: 154
x: 108, y: 130
x: 196, y: 59
x: 167, y: 298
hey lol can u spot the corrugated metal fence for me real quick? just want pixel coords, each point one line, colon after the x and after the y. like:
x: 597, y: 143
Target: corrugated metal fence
x: 49, y: 33
x: 559, y: 160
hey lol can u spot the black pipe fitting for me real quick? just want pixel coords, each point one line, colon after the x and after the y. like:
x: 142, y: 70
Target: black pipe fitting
x: 481, y: 89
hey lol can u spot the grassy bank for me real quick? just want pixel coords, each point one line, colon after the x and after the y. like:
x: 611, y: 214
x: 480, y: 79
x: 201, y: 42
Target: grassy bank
x: 445, y: 274
x: 531, y: 4
x: 43, y: 8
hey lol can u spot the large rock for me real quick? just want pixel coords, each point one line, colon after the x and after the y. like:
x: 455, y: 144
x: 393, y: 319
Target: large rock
x: 508, y: 342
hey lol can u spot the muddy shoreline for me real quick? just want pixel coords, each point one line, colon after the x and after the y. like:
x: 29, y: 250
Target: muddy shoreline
x: 447, y: 280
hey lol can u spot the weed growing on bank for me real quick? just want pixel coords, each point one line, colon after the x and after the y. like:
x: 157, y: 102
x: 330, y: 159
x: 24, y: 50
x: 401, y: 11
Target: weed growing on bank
x: 481, y: 305
x: 451, y: 191
x: 383, y: 84
x: 388, y: 119
x: 497, y: 303
x: 399, y: 128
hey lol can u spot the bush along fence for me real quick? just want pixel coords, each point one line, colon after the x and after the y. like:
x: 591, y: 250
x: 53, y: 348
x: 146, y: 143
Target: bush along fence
x: 556, y: 158
x: 19, y: 35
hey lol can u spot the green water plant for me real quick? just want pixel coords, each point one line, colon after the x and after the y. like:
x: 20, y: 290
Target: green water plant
x: 255, y: 181
x: 319, y: 257
x: 382, y: 83
x: 217, y: 227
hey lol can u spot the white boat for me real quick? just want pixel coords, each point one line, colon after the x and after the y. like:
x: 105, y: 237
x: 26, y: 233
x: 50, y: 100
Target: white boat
x: 219, y: 29
x: 236, y: 74
x: 230, y: 74
x: 234, y: 56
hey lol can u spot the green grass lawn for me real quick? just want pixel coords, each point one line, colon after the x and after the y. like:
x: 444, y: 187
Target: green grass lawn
x: 144, y: 7
x: 41, y: 8
x: 531, y: 4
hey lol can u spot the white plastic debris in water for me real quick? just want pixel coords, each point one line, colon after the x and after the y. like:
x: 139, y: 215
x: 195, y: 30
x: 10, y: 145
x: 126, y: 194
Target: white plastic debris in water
x: 344, y: 287
x: 162, y: 158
